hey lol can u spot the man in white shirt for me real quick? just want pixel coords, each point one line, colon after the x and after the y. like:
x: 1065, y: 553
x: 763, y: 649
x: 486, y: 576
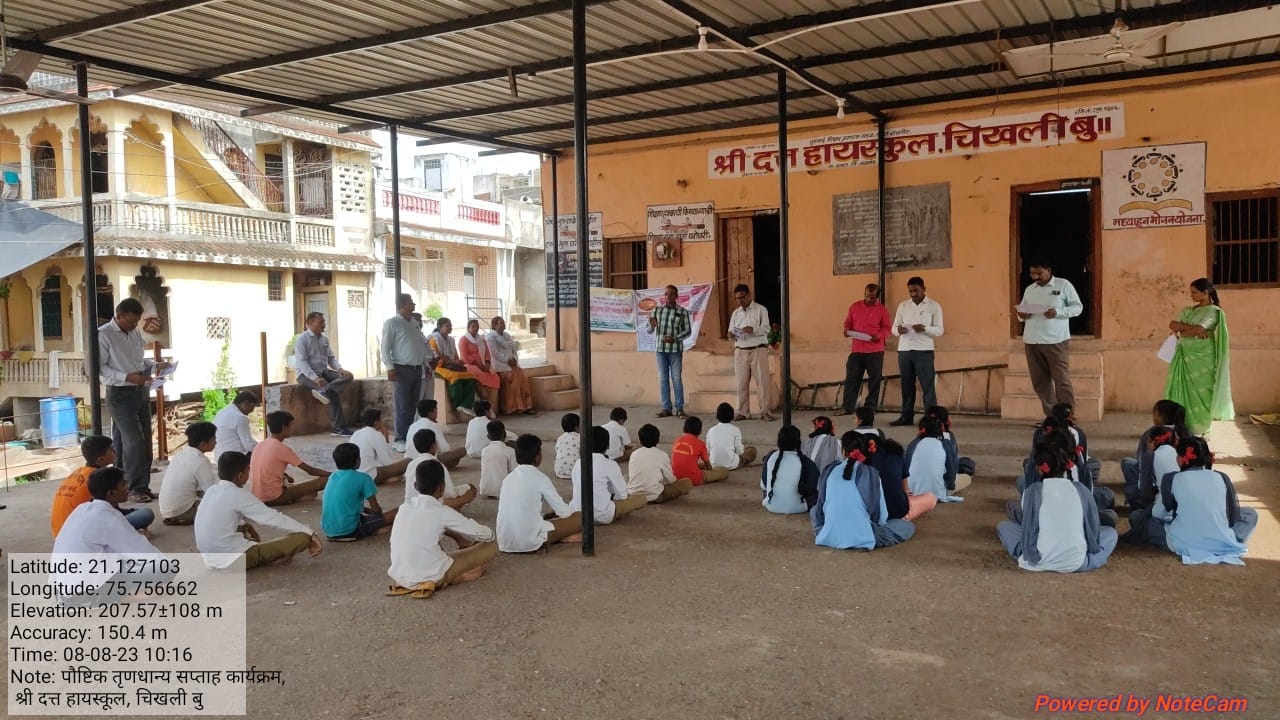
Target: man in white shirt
x: 404, y: 355
x: 96, y: 528
x: 620, y: 446
x: 1046, y: 334
x: 724, y: 442
x: 319, y: 371
x: 418, y: 565
x: 188, y: 476
x: 916, y: 323
x: 749, y: 328
x: 376, y: 459
x: 428, y: 414
x: 649, y: 473
x: 125, y: 371
x: 223, y: 532
x: 497, y: 460
x: 521, y: 527
x: 232, y: 423
x: 610, y: 500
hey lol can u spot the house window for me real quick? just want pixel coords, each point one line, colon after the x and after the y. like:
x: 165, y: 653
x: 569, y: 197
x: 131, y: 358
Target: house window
x: 356, y: 299
x: 275, y: 286
x: 1245, y: 239
x: 98, y: 167
x: 432, y: 175
x: 389, y: 267
x: 628, y: 264
x: 51, y: 307
x: 217, y: 328
x: 44, y: 172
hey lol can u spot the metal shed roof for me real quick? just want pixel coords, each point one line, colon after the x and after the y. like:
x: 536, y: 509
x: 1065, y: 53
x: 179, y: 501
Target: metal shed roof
x: 499, y: 72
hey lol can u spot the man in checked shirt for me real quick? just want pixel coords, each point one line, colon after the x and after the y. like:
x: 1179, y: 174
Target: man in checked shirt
x: 671, y: 323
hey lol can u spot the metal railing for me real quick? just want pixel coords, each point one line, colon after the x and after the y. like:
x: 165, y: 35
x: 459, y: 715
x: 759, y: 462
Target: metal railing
x: 208, y: 221
x: 239, y: 162
x: 484, y: 309
x: 815, y: 388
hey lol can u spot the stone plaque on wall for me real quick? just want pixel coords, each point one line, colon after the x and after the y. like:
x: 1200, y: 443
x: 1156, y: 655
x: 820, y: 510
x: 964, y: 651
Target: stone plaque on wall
x: 917, y: 229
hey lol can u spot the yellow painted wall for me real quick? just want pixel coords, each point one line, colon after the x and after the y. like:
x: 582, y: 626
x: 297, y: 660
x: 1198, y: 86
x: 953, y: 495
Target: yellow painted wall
x: 21, y: 330
x: 144, y: 159
x: 1144, y: 273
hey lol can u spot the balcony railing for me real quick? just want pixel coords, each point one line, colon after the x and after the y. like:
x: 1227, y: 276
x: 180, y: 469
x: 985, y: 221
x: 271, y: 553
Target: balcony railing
x: 480, y: 215
x: 195, y: 220
x: 32, y: 376
x: 417, y: 207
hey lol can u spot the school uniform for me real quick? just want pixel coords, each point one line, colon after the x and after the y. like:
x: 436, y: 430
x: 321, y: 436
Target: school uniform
x: 375, y: 451
x: 227, y: 506
x: 851, y: 514
x: 650, y: 474
x: 411, y: 480
x: 788, y: 483
x: 822, y: 449
x: 95, y: 528
x: 892, y: 469
x: 188, y: 476
x: 520, y: 525
x: 949, y: 463
x: 416, y: 556
x: 497, y: 460
x: 1206, y: 524
x: 445, y: 453
x: 610, y: 500
x: 619, y: 441
x: 927, y: 460
x: 568, y: 448
x: 724, y: 447
x: 1147, y: 521
x: 1059, y: 529
x: 477, y: 436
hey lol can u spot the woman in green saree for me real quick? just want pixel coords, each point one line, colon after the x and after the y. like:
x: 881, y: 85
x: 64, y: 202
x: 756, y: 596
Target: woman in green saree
x: 1200, y: 372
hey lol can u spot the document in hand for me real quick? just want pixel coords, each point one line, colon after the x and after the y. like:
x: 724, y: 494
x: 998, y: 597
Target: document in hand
x: 857, y: 335
x: 1167, y: 348
x: 1031, y: 308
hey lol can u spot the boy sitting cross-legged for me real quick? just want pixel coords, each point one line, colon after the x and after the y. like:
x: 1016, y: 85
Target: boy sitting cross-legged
x: 74, y: 491
x: 269, y: 461
x: 521, y: 527
x: 650, y: 473
x: 344, y: 515
x: 455, y: 496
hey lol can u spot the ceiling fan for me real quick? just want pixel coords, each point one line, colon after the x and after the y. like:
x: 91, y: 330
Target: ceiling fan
x: 1120, y: 44
x: 17, y: 71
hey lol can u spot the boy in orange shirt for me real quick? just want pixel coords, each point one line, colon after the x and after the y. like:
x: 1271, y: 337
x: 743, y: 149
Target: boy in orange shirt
x: 689, y: 457
x: 74, y: 491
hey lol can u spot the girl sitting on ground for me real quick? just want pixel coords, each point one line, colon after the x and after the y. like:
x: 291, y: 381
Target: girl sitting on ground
x: 1205, y: 524
x: 788, y: 479
x: 928, y: 459
x: 1055, y: 528
x: 886, y: 456
x: 851, y: 512
x: 1137, y: 470
x: 1147, y: 517
x: 822, y: 447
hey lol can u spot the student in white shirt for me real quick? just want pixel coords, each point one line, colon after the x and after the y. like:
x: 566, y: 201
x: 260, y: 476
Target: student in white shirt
x: 455, y: 496
x: 568, y: 445
x: 521, y: 527
x: 94, y: 528
x: 376, y: 458
x: 232, y: 422
x: 724, y: 442
x: 497, y: 460
x: 916, y: 323
x: 478, y: 429
x: 620, y: 446
x: 428, y: 414
x: 610, y: 500
x: 418, y: 565
x: 223, y: 529
x: 188, y: 476
x: 649, y: 472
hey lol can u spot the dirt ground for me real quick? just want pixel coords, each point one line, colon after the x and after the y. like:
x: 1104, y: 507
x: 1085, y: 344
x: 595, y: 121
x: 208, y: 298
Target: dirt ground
x: 710, y: 607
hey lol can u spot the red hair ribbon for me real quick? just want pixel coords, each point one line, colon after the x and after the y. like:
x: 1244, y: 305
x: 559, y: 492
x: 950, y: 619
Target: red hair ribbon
x: 1048, y: 430
x: 871, y: 446
x: 1188, y: 455
x: 857, y: 456
x: 1070, y: 465
x: 818, y: 424
x: 1043, y: 468
x: 1080, y: 450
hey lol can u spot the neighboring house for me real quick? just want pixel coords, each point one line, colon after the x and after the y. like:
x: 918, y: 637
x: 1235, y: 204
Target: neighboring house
x: 222, y: 226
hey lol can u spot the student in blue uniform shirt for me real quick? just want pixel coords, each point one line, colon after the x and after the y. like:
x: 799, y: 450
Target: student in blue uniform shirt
x: 1057, y: 435
x: 1205, y: 524
x: 788, y: 479
x: 851, y: 512
x: 1167, y: 415
x: 1056, y: 527
x: 1147, y: 515
x: 822, y: 447
x: 929, y: 461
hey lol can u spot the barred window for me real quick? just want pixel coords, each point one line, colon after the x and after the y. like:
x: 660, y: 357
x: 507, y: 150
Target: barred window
x: 356, y: 299
x: 628, y: 264
x: 275, y: 286
x: 1244, y: 234
x: 217, y: 328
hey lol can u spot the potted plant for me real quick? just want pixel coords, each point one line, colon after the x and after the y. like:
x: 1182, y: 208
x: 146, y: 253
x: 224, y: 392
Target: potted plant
x: 6, y: 354
x: 24, y: 353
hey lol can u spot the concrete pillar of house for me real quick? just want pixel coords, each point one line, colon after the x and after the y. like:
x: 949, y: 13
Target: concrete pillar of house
x: 170, y: 177
x: 290, y: 190
x: 70, y: 187
x: 28, y: 177
x: 37, y: 311
x: 116, y: 163
x: 77, y: 317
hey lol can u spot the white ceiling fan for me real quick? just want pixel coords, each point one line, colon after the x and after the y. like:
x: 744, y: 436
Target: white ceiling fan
x: 18, y: 69
x: 1120, y: 45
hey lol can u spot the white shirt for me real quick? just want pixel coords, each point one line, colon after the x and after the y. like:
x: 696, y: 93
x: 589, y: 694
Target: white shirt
x: 189, y: 472
x: 477, y: 436
x: 226, y: 507
x: 375, y: 451
x: 724, y: 445
x: 1061, y: 540
x: 568, y: 448
x: 1058, y: 294
x: 928, y: 313
x: 756, y: 317
x: 411, y: 450
x: 411, y: 477
x: 96, y: 527
x: 416, y: 556
x: 606, y: 486
x: 520, y: 525
x: 619, y: 439
x: 648, y: 471
x: 233, y: 432
x: 497, y: 460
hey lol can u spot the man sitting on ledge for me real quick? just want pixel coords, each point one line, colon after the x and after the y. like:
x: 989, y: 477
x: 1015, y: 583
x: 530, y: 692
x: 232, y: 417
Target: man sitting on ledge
x: 319, y: 371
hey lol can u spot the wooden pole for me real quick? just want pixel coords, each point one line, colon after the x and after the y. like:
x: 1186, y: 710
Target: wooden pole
x: 262, y: 392
x: 162, y: 433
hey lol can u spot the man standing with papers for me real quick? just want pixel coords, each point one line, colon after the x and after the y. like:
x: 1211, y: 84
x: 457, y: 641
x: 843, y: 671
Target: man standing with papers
x: 1048, y: 304
x: 917, y: 322
x: 749, y: 328
x: 867, y: 324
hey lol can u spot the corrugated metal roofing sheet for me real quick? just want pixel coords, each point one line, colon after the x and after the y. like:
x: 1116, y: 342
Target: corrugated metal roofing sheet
x: 897, y: 52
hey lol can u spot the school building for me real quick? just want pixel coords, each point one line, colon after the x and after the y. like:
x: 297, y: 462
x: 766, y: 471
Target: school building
x: 1131, y: 188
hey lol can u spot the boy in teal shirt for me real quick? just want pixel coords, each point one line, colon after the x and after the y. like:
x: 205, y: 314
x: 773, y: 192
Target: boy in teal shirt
x: 344, y: 516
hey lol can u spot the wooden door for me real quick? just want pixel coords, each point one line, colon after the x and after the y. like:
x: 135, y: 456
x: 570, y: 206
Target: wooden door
x: 737, y: 262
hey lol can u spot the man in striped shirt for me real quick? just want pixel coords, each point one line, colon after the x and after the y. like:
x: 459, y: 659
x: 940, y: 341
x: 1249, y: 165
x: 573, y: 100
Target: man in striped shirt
x: 671, y: 324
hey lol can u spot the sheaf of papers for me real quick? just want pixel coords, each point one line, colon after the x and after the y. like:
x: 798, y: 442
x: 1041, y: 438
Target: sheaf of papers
x: 1167, y: 348
x: 857, y: 335
x: 1031, y: 308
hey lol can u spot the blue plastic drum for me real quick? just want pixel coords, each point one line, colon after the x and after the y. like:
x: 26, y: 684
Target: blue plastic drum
x: 59, y: 424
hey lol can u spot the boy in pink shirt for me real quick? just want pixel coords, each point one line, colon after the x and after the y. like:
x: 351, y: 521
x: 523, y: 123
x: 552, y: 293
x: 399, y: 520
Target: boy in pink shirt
x: 268, y: 462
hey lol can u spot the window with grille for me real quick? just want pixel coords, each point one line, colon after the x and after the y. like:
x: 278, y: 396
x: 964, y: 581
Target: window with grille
x: 389, y: 266
x: 355, y: 299
x: 275, y: 286
x: 1245, y: 239
x: 51, y: 307
x: 627, y: 264
x: 217, y: 328
x: 432, y: 174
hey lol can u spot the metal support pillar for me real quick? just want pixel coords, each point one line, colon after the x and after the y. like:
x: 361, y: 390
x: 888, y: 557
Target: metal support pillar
x: 880, y: 190
x: 584, y: 264
x: 555, y: 244
x: 395, y: 206
x: 784, y: 215
x: 90, y: 270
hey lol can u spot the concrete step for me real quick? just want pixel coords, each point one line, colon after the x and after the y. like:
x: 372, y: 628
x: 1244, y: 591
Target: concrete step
x: 539, y: 371
x: 552, y: 383
x: 1083, y: 385
x: 558, y: 400
x: 1081, y: 363
x: 1027, y: 407
x: 554, y: 391
x: 718, y: 382
x: 704, y: 402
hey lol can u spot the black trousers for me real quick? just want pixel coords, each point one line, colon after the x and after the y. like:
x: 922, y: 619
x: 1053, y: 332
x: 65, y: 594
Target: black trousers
x: 858, y: 363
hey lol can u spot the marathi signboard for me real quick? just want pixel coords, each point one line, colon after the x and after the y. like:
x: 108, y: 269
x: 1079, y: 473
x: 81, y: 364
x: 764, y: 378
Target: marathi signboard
x: 690, y: 223
x: 922, y: 142
x: 567, y: 238
x: 1160, y: 186
x: 917, y: 229
x: 693, y: 298
x: 613, y: 310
